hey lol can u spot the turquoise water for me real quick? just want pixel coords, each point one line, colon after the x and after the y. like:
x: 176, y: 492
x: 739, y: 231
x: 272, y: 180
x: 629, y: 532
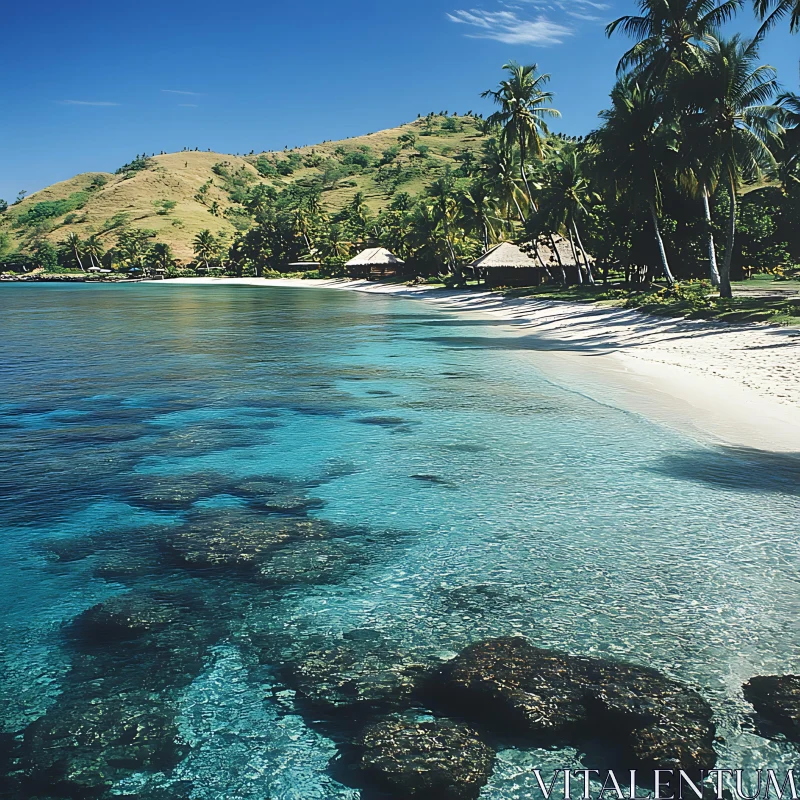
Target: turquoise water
x: 484, y: 500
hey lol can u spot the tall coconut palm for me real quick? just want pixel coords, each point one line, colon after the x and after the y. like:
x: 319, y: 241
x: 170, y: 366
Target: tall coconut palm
x: 567, y: 195
x: 94, y: 249
x: 500, y: 164
x: 771, y: 11
x: 161, y: 256
x: 635, y: 146
x: 479, y: 212
x: 738, y: 122
x: 524, y: 106
x: 699, y: 176
x: 443, y: 194
x: 669, y: 35
x: 334, y: 245
x: 205, y: 247
x: 76, y: 245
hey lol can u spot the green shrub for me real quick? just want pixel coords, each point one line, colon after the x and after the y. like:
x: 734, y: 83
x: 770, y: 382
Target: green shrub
x: 49, y: 209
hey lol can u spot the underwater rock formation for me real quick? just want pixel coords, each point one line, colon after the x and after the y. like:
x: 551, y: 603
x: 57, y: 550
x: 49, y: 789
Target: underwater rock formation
x: 360, y: 673
x: 237, y: 539
x: 776, y: 699
x: 83, y: 744
x: 557, y: 698
x: 433, y: 759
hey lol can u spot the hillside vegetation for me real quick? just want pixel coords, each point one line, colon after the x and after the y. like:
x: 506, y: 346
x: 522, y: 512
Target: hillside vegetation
x: 175, y: 196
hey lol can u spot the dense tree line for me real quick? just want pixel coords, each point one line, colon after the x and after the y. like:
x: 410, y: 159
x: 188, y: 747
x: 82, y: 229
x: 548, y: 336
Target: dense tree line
x: 694, y: 171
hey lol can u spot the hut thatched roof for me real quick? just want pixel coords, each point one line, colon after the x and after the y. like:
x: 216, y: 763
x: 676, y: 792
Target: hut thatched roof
x: 374, y: 257
x: 504, y: 254
x: 564, y: 250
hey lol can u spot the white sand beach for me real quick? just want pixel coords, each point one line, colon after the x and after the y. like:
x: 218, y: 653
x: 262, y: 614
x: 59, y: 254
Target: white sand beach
x: 733, y: 384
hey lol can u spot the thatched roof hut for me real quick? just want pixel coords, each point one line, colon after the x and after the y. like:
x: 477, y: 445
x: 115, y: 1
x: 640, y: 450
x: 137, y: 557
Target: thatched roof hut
x: 503, y: 255
x: 375, y: 262
x: 505, y: 264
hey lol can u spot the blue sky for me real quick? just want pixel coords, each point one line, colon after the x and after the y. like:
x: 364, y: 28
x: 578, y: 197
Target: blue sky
x: 90, y: 84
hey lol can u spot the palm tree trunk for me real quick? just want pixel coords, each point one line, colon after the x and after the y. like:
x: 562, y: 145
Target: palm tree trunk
x: 524, y: 176
x: 575, y: 258
x: 589, y: 275
x: 712, y: 251
x: 78, y: 257
x: 519, y: 211
x: 661, y: 249
x: 725, y: 278
x: 558, y: 259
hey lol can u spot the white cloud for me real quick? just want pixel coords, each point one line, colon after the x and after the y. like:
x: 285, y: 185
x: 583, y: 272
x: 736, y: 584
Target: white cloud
x: 87, y: 103
x: 178, y: 91
x: 510, y: 28
x: 513, y: 23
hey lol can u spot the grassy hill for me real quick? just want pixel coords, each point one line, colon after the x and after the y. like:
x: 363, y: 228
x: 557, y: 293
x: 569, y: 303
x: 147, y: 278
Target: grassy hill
x: 178, y: 194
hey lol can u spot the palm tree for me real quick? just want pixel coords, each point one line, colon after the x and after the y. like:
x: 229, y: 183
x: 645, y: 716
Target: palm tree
x: 699, y: 176
x: 733, y: 94
x: 773, y: 10
x: 479, y: 212
x: 161, y: 256
x: 442, y: 192
x: 334, y: 246
x: 94, y: 249
x: 302, y: 227
x: 75, y: 243
x: 500, y: 170
x: 205, y: 246
x: 789, y: 168
x: 634, y: 147
x: 669, y: 35
x: 523, y: 108
x: 567, y: 196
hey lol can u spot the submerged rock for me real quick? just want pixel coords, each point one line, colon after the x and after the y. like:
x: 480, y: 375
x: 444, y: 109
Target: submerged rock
x: 776, y: 699
x: 176, y: 492
x: 425, y: 759
x: 82, y: 745
x: 129, y: 615
x: 312, y: 562
x: 362, y: 673
x: 276, y: 495
x: 234, y: 538
x: 65, y: 550
x: 142, y: 641
x: 556, y: 698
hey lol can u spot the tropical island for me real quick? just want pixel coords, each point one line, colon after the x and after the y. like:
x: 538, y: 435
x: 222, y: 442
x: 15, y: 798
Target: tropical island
x: 690, y: 184
x: 355, y: 471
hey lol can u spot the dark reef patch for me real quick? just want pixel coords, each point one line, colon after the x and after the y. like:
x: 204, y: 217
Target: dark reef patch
x: 776, y: 700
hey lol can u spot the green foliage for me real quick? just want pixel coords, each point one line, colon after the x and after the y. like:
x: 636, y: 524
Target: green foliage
x: 265, y: 167
x: 163, y: 207
x: 136, y: 165
x: 45, y: 256
x: 49, y: 209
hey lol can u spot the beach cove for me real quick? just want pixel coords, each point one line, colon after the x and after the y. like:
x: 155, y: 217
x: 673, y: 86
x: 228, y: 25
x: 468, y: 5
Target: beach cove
x: 430, y: 473
x: 735, y: 384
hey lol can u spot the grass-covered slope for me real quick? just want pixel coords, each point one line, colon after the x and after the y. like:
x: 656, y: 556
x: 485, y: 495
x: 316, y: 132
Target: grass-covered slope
x: 176, y: 195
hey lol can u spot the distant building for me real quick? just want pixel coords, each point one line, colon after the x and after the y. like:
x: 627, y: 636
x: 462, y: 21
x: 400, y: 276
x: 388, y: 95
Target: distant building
x: 506, y: 264
x: 375, y: 262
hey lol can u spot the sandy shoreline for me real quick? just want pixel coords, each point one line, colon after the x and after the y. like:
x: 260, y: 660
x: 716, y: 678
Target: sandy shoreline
x: 733, y: 384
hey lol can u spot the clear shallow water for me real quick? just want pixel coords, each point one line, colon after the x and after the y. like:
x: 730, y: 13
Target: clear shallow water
x: 488, y: 500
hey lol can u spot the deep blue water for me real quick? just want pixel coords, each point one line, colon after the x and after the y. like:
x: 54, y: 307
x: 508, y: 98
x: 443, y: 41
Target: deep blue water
x: 483, y: 499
